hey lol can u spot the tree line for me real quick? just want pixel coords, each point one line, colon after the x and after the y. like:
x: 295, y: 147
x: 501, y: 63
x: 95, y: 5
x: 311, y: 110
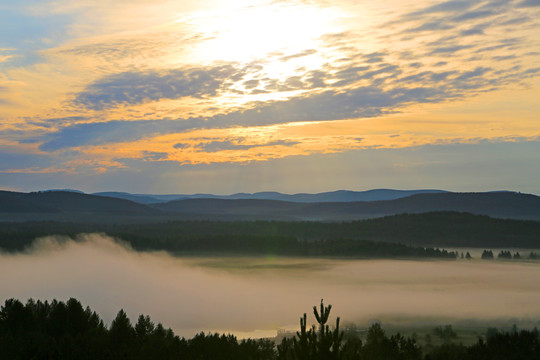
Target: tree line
x: 58, y: 330
x: 436, y: 229
x: 507, y: 255
x: 254, y: 245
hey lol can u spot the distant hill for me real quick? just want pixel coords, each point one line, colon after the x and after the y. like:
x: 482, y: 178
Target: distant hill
x: 141, y: 199
x: 272, y: 209
x: 495, y: 204
x: 61, y: 190
x: 68, y: 202
x: 332, y: 196
x: 73, y: 206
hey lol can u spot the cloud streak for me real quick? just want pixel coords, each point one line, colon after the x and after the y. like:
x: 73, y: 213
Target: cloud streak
x: 387, y: 94
x: 221, y: 145
x: 138, y: 87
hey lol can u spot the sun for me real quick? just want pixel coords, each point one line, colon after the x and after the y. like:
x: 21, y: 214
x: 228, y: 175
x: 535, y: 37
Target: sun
x: 255, y: 30
x: 283, y: 39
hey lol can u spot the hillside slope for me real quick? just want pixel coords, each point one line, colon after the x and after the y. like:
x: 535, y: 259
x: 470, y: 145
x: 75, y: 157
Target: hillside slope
x: 68, y: 202
x: 331, y: 196
x: 495, y: 204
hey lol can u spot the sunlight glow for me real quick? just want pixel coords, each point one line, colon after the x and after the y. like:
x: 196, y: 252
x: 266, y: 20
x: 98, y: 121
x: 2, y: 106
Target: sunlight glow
x: 242, y: 32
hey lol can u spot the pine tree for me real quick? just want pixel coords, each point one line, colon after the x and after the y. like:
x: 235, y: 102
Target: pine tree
x: 323, y: 344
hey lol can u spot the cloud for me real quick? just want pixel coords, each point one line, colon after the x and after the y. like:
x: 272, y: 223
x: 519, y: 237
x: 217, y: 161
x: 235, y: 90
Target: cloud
x: 431, y: 26
x: 449, y: 49
x: 351, y: 74
x: 441, y: 63
x: 387, y: 94
x: 517, y: 20
x: 447, y: 20
x: 251, y: 84
x: 135, y: 87
x: 468, y: 75
x: 532, y: 71
x: 315, y: 79
x: 329, y: 105
x: 441, y: 75
x: 181, y: 146
x: 94, y: 134
x: 221, y: 145
x: 367, y: 101
x: 529, y: 3
x: 477, y: 30
x: 358, y: 85
x: 298, y: 55
x: 473, y: 15
x: 61, y: 121
x: 446, y: 7
x: 154, y: 156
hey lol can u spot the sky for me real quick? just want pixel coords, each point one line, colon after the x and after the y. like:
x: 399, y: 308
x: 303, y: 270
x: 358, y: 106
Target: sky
x: 164, y: 96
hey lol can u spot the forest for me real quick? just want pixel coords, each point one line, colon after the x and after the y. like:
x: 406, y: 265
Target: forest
x: 436, y: 229
x: 67, y: 330
x: 252, y: 245
x: 400, y: 236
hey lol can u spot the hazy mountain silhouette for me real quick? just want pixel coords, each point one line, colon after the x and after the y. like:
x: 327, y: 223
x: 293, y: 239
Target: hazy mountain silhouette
x: 495, y: 204
x: 68, y: 202
x: 138, y: 198
x: 332, y: 196
x: 72, y: 206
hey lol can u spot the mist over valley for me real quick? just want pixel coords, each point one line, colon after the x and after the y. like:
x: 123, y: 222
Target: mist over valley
x: 259, y: 295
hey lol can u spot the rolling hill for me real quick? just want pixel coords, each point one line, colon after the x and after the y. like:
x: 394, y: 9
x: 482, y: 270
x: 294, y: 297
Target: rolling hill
x: 72, y: 206
x: 331, y: 196
x: 68, y: 202
x: 495, y: 204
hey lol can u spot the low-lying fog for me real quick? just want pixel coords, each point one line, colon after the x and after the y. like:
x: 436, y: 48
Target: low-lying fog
x: 259, y: 295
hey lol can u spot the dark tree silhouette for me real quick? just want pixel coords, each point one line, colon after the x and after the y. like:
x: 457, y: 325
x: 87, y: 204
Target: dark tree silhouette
x: 487, y: 255
x: 58, y: 330
x: 321, y: 343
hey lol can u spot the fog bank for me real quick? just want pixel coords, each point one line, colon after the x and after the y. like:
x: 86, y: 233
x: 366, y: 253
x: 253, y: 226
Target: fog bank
x: 247, y: 294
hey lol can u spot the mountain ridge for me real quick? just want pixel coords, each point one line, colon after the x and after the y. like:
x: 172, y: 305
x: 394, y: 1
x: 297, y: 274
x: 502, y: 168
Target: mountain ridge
x: 68, y: 201
x: 496, y: 204
x: 73, y: 206
x: 328, y: 196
